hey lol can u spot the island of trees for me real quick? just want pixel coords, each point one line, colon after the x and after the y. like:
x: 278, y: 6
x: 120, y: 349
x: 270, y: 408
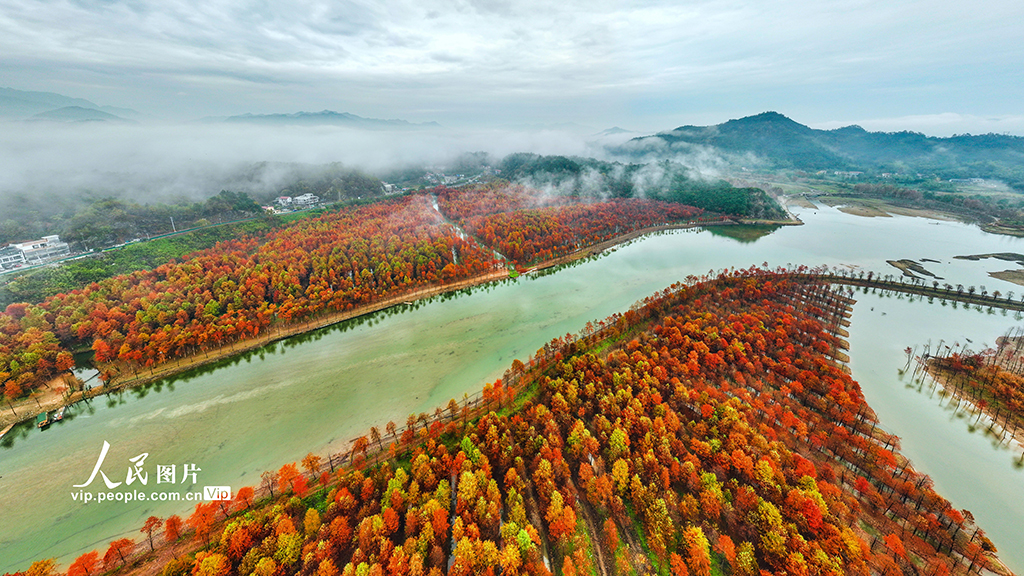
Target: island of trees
x: 990, y: 382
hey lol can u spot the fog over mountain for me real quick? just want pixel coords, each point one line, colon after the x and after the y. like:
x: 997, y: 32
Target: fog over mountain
x: 786, y: 143
x: 162, y: 161
x: 151, y: 162
x: 59, y: 150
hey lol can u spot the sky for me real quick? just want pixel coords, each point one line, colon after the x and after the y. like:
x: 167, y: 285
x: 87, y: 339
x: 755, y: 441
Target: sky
x: 935, y: 66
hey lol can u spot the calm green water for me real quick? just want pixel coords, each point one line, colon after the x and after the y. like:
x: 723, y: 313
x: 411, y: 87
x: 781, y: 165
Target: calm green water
x: 318, y: 393
x: 969, y: 466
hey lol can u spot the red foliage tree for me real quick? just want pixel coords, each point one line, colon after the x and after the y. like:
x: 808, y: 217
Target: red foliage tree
x: 85, y: 564
x: 119, y: 550
x: 151, y: 525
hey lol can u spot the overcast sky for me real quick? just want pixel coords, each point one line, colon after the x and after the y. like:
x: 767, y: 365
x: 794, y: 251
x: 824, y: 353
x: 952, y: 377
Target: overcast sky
x: 937, y: 66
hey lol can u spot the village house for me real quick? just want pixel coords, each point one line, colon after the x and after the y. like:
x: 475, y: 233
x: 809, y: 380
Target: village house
x: 306, y: 200
x: 35, y: 252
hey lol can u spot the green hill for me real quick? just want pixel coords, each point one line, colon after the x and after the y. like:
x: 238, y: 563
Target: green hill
x: 784, y: 143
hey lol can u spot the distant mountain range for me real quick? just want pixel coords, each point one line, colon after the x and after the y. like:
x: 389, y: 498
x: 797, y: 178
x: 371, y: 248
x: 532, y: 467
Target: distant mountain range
x: 53, y: 107
x: 326, y: 117
x: 613, y: 131
x: 784, y: 143
x: 78, y: 114
x: 24, y: 105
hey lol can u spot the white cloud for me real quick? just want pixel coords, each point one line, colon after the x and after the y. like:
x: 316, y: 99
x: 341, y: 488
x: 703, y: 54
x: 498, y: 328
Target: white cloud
x: 485, y: 61
x: 944, y: 124
x: 157, y: 161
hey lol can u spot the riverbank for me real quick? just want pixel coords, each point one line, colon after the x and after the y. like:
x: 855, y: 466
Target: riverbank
x: 181, y: 365
x: 871, y: 207
x: 128, y: 378
x: 1014, y: 276
x: 878, y: 208
x: 49, y: 398
x: 1006, y: 229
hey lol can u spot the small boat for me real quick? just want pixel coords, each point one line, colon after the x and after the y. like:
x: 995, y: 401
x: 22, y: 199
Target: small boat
x: 43, y: 420
x: 5, y: 431
x: 59, y: 414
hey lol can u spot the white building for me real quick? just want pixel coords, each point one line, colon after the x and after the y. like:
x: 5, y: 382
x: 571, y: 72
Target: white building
x: 11, y: 257
x: 306, y: 200
x: 39, y: 251
x: 283, y: 201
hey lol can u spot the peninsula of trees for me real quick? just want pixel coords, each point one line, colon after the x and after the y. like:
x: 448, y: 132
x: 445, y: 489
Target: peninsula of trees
x: 337, y: 262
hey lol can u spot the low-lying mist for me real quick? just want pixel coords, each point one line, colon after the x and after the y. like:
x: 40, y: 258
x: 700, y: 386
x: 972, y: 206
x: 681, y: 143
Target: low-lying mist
x: 56, y: 178
x: 159, y: 163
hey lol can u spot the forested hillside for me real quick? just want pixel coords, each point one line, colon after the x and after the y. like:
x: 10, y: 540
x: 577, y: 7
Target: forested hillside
x: 104, y: 216
x: 108, y: 221
x: 780, y: 142
x: 662, y: 180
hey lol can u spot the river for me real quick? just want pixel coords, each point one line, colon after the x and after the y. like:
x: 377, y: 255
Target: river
x: 315, y: 393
